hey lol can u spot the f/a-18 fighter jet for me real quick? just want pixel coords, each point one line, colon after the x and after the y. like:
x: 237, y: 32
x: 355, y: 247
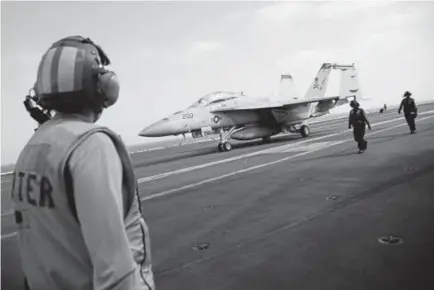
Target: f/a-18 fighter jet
x: 234, y: 115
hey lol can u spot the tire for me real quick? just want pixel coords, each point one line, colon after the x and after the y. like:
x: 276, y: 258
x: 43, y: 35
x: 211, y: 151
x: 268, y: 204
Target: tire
x: 220, y: 147
x: 227, y: 146
x: 304, y: 131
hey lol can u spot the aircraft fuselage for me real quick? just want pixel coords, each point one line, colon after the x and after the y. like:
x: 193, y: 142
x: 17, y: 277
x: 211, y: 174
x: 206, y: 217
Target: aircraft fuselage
x: 256, y: 123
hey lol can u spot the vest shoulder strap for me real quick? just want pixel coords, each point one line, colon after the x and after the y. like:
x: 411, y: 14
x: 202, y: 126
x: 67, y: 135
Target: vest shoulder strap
x: 128, y: 179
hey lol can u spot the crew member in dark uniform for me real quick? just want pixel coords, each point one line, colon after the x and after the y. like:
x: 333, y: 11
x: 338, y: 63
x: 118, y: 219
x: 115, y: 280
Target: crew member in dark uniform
x: 384, y: 109
x: 410, y: 111
x: 358, y: 121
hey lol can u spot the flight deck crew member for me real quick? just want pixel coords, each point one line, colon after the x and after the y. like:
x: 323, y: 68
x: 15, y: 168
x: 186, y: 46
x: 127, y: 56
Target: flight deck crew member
x: 358, y: 121
x: 74, y: 191
x: 410, y: 111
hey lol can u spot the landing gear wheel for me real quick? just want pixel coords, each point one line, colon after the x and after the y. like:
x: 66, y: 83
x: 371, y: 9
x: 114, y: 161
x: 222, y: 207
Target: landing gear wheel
x: 304, y: 131
x: 227, y: 146
x: 220, y: 147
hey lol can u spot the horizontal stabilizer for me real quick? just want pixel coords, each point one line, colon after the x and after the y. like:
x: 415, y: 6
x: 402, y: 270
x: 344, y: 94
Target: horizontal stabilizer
x: 342, y: 101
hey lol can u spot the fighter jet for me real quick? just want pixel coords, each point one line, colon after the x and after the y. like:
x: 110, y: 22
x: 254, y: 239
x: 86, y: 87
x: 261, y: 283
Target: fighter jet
x: 234, y: 115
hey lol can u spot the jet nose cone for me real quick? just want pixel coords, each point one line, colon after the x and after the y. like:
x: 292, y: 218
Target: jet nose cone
x: 150, y: 131
x: 146, y: 132
x: 161, y: 128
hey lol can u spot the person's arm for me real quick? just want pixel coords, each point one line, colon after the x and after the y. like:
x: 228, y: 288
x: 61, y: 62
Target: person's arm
x: 400, y: 107
x: 349, y: 121
x: 366, y: 119
x: 96, y: 171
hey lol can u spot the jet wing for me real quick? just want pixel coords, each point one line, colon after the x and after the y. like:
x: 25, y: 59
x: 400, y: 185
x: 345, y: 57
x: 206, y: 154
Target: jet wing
x: 252, y: 106
x: 311, y: 100
x: 273, y: 104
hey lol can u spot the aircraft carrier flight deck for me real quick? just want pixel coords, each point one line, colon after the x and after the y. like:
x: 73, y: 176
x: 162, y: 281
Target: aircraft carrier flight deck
x: 294, y: 213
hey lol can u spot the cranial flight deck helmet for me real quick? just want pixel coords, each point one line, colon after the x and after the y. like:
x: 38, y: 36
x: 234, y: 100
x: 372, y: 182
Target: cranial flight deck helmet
x: 407, y: 94
x: 354, y: 104
x: 72, y: 74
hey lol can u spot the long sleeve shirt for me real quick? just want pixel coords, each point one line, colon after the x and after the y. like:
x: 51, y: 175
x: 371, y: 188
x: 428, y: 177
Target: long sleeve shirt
x: 97, y: 178
x: 409, y: 106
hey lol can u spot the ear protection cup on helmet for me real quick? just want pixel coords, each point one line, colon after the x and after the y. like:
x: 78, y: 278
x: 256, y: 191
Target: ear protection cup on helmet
x: 72, y: 72
x: 108, y: 88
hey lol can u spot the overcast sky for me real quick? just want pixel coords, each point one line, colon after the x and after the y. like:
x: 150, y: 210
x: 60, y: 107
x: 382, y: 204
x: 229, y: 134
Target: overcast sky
x: 168, y: 54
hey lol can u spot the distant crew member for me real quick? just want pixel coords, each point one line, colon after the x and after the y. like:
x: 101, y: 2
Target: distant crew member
x: 74, y: 192
x: 358, y: 121
x: 384, y: 109
x: 410, y: 111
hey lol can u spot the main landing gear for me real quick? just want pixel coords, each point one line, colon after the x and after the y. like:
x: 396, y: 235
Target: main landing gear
x: 304, y: 130
x: 224, y: 145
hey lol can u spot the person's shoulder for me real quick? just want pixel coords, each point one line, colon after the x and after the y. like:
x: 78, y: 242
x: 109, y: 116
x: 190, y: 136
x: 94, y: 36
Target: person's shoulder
x: 98, y: 143
x: 101, y: 137
x: 98, y: 148
x: 99, y: 140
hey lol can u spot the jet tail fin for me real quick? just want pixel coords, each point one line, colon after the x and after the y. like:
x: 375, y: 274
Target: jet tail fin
x: 287, y: 89
x: 350, y: 86
x: 319, y: 85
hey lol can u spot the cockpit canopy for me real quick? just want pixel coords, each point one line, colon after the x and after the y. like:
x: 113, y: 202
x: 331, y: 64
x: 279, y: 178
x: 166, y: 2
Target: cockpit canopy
x: 216, y: 97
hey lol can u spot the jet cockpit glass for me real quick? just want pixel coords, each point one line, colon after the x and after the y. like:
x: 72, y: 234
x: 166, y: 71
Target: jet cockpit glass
x: 214, y: 98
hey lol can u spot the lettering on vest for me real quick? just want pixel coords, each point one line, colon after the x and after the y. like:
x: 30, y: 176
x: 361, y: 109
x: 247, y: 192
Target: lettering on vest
x: 32, y: 188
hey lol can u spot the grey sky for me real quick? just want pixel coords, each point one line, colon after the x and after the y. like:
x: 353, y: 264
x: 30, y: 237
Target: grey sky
x: 168, y: 54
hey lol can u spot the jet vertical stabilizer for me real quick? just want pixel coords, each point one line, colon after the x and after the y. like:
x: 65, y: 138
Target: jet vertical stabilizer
x: 287, y: 89
x: 319, y: 85
x: 350, y: 83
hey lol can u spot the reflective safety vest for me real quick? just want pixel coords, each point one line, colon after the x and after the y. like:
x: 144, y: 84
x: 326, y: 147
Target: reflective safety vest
x: 357, y: 117
x: 52, y: 249
x: 409, y: 106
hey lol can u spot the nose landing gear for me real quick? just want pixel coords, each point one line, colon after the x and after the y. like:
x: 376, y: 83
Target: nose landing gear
x: 226, y: 146
x: 304, y: 131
